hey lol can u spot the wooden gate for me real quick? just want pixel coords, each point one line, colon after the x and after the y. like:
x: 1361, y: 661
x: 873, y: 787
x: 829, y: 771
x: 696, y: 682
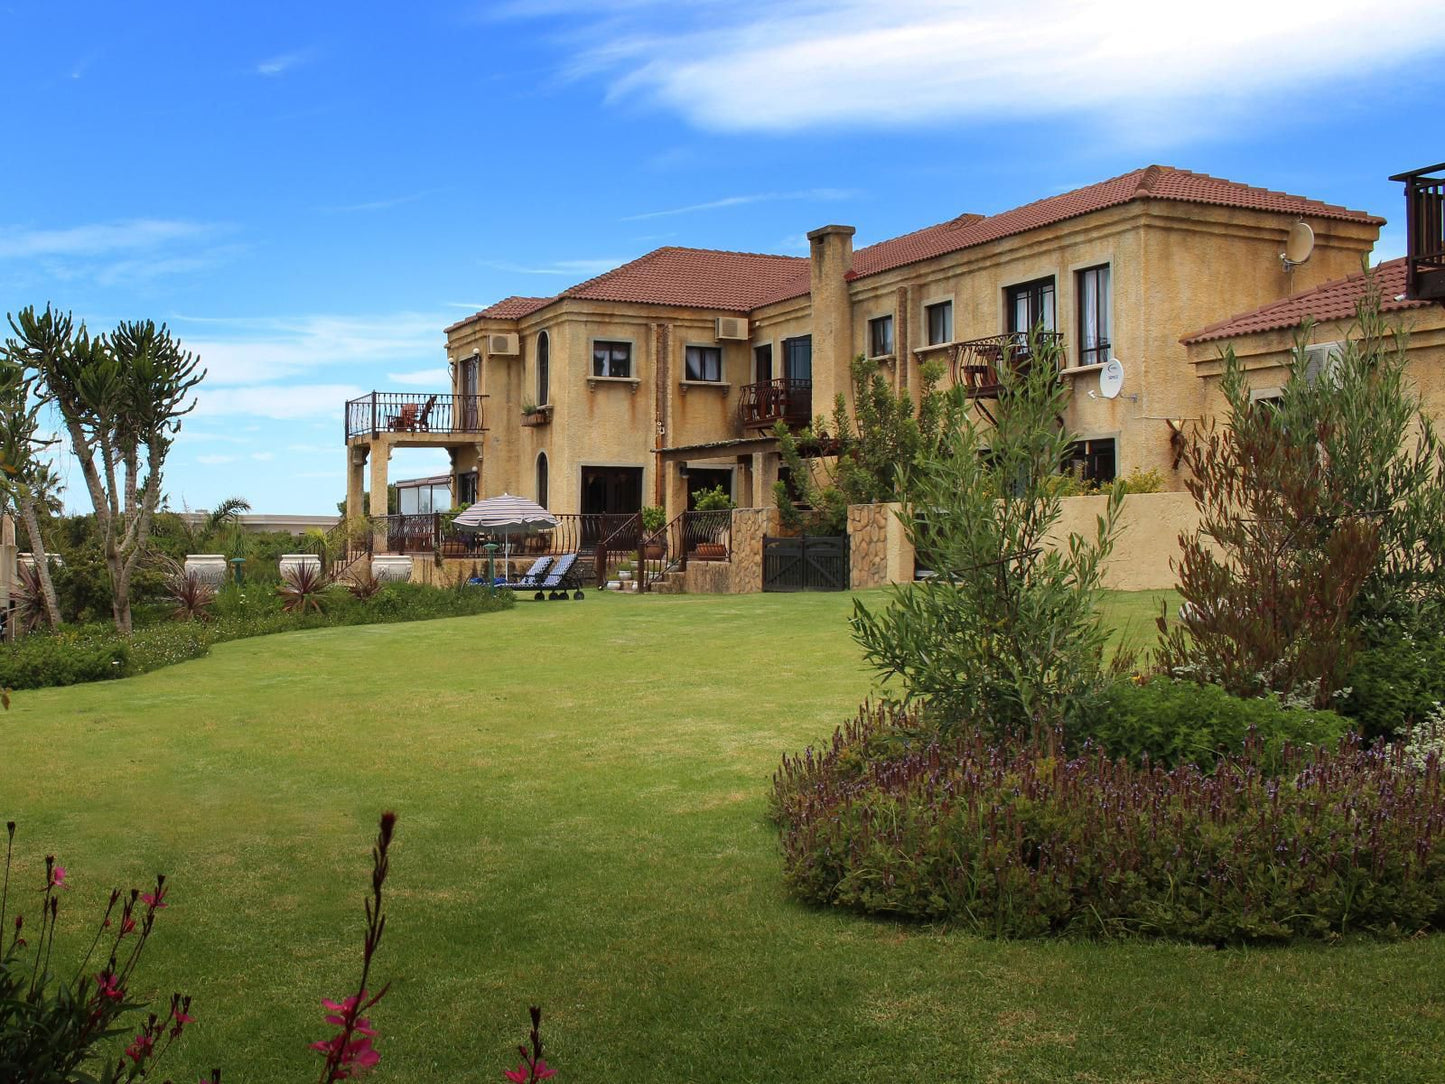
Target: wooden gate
x: 816, y: 563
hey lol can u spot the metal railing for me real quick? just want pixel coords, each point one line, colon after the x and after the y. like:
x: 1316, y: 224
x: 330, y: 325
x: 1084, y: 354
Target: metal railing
x: 694, y: 535
x: 409, y: 412
x: 770, y: 401
x: 1424, y: 232
x: 978, y: 363
x: 433, y: 533
x: 342, y: 546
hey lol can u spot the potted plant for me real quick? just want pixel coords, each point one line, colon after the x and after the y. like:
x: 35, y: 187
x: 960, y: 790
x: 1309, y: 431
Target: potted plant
x: 654, y: 519
x: 715, y: 499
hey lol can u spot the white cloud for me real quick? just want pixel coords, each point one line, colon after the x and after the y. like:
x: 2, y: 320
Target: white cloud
x: 286, y: 402
x: 96, y: 239
x: 575, y: 268
x: 263, y: 457
x: 279, y: 65
x: 434, y: 378
x: 781, y: 65
x: 212, y: 460
x: 738, y: 201
x: 261, y: 350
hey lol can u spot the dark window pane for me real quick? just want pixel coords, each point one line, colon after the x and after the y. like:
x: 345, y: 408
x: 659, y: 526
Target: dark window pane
x: 880, y: 336
x: 940, y: 323
x: 763, y: 362
x: 703, y: 363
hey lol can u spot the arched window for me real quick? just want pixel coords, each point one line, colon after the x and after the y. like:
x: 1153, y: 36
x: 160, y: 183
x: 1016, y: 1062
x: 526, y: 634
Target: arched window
x: 542, y: 479
x: 543, y: 391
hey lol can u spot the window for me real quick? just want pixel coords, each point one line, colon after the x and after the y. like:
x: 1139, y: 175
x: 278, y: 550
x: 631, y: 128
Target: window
x: 466, y: 488
x: 542, y: 479
x: 612, y: 359
x: 880, y: 337
x: 939, y: 321
x: 763, y: 363
x: 798, y: 358
x: 703, y: 363
x: 1093, y: 460
x: 544, y: 361
x: 1094, y: 316
x: 1030, y: 305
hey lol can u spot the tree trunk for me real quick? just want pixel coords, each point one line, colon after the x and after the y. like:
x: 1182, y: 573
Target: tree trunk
x: 26, y: 503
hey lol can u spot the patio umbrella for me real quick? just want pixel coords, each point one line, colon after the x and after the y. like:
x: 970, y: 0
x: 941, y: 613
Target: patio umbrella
x: 505, y: 515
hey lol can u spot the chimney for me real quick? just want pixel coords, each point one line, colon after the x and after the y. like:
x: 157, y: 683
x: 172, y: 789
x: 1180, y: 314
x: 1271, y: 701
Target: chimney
x: 831, y: 253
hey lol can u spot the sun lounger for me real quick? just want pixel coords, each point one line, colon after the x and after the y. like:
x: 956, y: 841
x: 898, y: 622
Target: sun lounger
x: 560, y: 580
x: 530, y: 579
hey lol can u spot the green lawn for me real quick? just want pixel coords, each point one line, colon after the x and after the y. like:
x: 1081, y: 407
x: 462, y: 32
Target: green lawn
x: 581, y: 790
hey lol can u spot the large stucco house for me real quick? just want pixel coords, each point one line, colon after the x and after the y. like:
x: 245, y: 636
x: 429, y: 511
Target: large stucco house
x: 668, y: 373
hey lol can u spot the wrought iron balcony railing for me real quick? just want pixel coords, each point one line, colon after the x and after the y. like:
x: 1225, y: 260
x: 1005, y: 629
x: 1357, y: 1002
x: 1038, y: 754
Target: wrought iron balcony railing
x: 409, y: 412
x: 767, y: 402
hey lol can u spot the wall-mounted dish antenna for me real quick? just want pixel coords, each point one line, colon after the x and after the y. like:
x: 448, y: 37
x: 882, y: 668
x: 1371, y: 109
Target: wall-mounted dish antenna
x: 1298, y: 246
x: 1111, y: 379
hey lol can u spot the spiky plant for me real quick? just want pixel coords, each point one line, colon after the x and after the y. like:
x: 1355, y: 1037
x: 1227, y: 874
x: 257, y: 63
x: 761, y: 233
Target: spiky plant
x: 191, y: 595
x: 302, y: 589
x: 363, y: 585
x: 29, y: 598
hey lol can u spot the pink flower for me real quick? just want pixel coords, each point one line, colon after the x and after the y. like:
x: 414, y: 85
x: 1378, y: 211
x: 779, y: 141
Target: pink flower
x: 108, y: 988
x: 57, y: 877
x: 154, y: 900
x: 140, y: 1049
x: 525, y: 1073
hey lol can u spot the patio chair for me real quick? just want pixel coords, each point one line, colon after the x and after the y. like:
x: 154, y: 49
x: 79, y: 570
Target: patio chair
x: 423, y: 420
x: 531, y: 578
x: 560, y: 580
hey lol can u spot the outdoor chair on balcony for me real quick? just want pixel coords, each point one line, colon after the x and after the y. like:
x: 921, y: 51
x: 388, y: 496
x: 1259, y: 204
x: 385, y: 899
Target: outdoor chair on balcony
x: 560, y: 580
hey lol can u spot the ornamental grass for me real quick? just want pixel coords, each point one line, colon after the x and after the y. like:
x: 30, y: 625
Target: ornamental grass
x: 1014, y: 839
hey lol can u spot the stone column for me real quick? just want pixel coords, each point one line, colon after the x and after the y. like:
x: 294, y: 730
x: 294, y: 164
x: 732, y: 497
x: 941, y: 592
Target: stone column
x: 355, y: 479
x: 765, y: 473
x: 675, y: 495
x: 380, y: 454
x: 746, y: 489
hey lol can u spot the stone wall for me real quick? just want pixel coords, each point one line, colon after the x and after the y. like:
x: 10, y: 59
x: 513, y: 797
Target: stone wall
x: 878, y: 548
x: 743, y: 572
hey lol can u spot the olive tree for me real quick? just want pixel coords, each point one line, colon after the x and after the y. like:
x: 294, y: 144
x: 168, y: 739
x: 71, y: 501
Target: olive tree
x: 120, y: 398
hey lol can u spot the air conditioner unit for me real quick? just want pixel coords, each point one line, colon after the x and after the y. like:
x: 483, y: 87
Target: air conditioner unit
x: 732, y: 327
x: 1322, y: 361
x: 502, y: 343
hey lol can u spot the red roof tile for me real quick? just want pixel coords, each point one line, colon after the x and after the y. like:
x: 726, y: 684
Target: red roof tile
x: 696, y: 278
x: 509, y: 308
x: 1152, y: 182
x: 1331, y: 301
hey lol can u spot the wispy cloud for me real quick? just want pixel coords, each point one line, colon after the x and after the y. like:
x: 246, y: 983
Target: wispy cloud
x: 784, y: 65
x: 740, y: 201
x: 287, y: 403
x: 435, y: 378
x: 214, y: 459
x: 285, y: 62
x: 379, y: 204
x: 575, y: 268
x: 96, y: 239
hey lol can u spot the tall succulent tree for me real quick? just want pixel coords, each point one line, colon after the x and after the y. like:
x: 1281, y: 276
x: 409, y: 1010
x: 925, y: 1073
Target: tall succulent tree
x: 26, y: 482
x: 121, y: 398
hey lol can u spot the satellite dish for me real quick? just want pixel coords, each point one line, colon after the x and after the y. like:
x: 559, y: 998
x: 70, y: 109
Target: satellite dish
x: 1298, y: 246
x: 1111, y: 379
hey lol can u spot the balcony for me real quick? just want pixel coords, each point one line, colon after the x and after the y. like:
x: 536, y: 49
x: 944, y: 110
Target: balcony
x: 763, y: 405
x: 1424, y: 232
x: 976, y: 363
x: 420, y: 416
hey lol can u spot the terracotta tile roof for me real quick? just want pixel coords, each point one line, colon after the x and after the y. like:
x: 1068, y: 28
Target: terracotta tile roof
x: 509, y: 308
x: 1151, y: 182
x: 1330, y: 301
x: 698, y: 278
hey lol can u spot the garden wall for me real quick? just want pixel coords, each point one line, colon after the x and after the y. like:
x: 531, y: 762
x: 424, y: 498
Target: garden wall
x: 1147, y: 540
x: 743, y: 573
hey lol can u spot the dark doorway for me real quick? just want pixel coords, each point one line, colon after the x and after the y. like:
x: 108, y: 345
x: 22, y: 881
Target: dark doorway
x: 701, y: 478
x: 611, y: 490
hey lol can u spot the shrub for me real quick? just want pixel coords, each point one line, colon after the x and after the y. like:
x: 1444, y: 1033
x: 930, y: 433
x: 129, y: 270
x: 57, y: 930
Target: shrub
x: 1395, y: 686
x: 1011, y: 840
x: 302, y: 589
x: 191, y: 596
x: 1007, y: 634
x: 69, y: 657
x: 1178, y: 722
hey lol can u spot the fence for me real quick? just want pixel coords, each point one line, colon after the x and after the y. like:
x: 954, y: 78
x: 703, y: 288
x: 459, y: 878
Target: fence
x: 808, y: 563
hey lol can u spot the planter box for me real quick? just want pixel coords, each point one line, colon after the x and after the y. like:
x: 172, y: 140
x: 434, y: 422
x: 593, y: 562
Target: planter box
x: 391, y: 568
x: 295, y: 561
x: 710, y: 551
x: 208, y: 567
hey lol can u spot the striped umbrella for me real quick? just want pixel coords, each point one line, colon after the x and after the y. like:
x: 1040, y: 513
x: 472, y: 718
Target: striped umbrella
x: 505, y: 515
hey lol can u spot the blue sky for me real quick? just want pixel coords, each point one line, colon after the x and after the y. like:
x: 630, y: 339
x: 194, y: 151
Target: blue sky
x: 308, y: 193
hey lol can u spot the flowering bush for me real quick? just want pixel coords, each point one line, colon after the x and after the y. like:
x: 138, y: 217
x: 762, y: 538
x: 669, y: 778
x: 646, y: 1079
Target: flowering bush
x: 1013, y: 839
x: 53, y: 1029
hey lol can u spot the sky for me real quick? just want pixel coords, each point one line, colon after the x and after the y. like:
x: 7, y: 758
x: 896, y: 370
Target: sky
x: 308, y: 193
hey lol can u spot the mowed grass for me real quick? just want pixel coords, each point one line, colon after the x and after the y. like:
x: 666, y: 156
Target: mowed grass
x: 582, y: 799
